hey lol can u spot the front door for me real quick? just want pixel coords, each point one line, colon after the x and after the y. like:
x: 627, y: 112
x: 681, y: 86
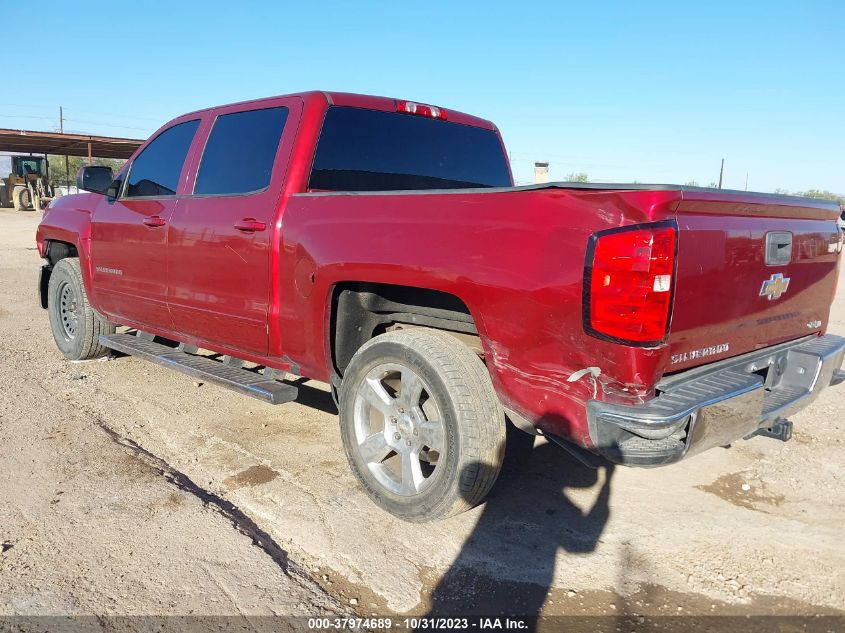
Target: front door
x: 220, y: 237
x: 129, y: 233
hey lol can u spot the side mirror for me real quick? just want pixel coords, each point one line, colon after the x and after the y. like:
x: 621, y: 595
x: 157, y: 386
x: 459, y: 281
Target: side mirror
x: 95, y: 178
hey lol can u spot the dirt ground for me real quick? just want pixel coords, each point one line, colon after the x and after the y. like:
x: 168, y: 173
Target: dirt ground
x: 129, y: 489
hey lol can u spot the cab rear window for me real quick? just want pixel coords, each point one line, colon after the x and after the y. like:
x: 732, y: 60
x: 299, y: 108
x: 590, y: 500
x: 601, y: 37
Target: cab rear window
x: 369, y: 150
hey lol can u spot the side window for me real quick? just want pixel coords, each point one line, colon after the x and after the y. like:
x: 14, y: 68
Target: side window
x: 155, y: 172
x: 239, y: 155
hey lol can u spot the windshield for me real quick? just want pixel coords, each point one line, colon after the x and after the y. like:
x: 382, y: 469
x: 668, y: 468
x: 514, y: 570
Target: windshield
x: 29, y: 166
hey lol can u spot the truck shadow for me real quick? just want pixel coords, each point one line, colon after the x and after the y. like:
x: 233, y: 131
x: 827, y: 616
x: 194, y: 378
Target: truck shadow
x: 528, y: 517
x: 308, y: 395
x: 314, y: 398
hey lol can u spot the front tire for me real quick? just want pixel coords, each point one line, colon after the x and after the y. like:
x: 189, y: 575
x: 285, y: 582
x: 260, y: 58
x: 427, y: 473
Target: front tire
x: 76, y: 327
x: 24, y: 200
x: 15, y: 198
x: 421, y: 424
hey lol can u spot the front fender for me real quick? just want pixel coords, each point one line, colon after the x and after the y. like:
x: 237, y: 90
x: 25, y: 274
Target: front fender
x: 68, y: 220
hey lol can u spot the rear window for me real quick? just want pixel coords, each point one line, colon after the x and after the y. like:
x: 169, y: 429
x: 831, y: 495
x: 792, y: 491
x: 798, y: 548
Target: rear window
x: 368, y: 150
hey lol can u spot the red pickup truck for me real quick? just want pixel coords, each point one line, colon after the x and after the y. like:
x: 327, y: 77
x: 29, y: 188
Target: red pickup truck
x: 380, y: 246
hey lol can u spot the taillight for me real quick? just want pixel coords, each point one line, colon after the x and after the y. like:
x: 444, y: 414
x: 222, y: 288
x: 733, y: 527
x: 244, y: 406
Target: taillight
x: 420, y: 109
x: 629, y: 283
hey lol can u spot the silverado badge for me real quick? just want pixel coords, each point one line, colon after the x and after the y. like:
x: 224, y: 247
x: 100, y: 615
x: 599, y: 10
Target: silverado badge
x: 774, y: 287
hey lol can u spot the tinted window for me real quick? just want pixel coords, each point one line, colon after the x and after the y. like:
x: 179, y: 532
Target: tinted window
x: 239, y: 155
x: 156, y: 170
x: 367, y: 150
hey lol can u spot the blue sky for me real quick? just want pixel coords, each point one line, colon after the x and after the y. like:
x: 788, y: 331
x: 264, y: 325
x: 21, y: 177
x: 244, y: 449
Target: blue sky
x: 648, y: 91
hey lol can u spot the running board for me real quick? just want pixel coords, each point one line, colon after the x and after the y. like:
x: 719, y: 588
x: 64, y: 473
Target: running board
x: 207, y: 369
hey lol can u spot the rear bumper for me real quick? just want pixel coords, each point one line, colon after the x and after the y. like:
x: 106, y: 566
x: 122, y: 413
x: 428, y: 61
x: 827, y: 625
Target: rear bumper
x: 717, y: 404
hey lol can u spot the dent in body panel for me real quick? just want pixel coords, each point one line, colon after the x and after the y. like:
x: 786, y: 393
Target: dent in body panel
x: 559, y: 394
x: 514, y: 258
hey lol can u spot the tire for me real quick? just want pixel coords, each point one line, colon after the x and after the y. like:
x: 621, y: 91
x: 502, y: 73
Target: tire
x: 76, y: 327
x: 24, y: 199
x: 15, y: 198
x: 421, y: 425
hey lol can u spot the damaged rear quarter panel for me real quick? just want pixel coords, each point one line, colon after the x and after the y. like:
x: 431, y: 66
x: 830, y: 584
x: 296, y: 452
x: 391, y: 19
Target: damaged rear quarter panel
x: 514, y: 257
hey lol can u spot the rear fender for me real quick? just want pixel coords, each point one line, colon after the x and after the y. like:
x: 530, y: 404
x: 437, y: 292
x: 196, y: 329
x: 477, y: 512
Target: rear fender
x: 514, y: 259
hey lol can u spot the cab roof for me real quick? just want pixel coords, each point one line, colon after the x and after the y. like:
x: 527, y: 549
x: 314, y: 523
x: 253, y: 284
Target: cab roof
x: 354, y: 100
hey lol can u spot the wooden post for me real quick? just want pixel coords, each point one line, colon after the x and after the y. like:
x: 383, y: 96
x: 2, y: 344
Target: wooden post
x: 62, y: 130
x: 90, y: 158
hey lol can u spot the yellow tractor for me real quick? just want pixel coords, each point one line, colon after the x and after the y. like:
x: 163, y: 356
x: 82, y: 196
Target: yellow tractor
x: 25, y: 182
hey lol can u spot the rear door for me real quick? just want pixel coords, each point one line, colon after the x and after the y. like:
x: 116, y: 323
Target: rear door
x: 221, y: 236
x: 129, y: 233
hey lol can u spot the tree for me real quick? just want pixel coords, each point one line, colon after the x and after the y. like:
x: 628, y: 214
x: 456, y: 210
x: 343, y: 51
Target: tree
x: 63, y: 179
x: 821, y: 195
x: 692, y: 183
x: 577, y: 177
x: 814, y: 193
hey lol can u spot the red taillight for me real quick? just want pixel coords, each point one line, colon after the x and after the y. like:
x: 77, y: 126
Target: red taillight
x: 420, y: 109
x: 629, y: 279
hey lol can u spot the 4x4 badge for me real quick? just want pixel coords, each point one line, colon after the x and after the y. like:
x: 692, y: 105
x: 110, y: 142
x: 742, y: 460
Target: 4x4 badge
x: 774, y: 287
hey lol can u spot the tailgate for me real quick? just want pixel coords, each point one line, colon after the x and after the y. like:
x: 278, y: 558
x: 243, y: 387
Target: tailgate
x: 753, y: 270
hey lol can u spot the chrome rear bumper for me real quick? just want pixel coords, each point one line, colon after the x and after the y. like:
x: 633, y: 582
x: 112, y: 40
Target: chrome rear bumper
x: 716, y: 404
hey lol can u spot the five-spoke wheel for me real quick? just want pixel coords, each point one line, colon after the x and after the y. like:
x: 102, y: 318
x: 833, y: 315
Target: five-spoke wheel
x: 398, y: 428
x: 421, y: 424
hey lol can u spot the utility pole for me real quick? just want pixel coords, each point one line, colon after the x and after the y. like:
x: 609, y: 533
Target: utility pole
x: 746, y: 181
x: 721, y: 173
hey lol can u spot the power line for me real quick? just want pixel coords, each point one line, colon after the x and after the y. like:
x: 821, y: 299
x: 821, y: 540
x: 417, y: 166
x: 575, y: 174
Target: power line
x: 108, y: 114
x: 27, y: 116
x: 127, y: 127
x: 51, y: 118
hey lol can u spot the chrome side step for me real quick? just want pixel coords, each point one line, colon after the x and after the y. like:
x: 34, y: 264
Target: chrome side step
x: 207, y: 369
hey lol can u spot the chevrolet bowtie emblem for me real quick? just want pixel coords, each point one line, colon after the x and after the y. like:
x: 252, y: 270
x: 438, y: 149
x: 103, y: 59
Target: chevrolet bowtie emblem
x: 774, y: 287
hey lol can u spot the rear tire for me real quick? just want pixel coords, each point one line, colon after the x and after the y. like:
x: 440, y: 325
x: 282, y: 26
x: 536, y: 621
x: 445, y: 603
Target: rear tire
x: 421, y: 424
x: 76, y: 327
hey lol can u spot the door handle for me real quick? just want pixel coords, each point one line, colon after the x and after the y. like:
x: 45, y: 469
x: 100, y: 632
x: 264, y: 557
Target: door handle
x: 250, y: 225
x: 154, y: 221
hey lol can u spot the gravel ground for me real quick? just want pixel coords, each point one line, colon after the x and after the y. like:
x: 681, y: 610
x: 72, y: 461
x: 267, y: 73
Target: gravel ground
x: 129, y: 489
x: 90, y: 523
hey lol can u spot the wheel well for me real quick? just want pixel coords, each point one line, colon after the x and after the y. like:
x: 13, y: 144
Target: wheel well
x: 54, y: 250
x: 361, y: 311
